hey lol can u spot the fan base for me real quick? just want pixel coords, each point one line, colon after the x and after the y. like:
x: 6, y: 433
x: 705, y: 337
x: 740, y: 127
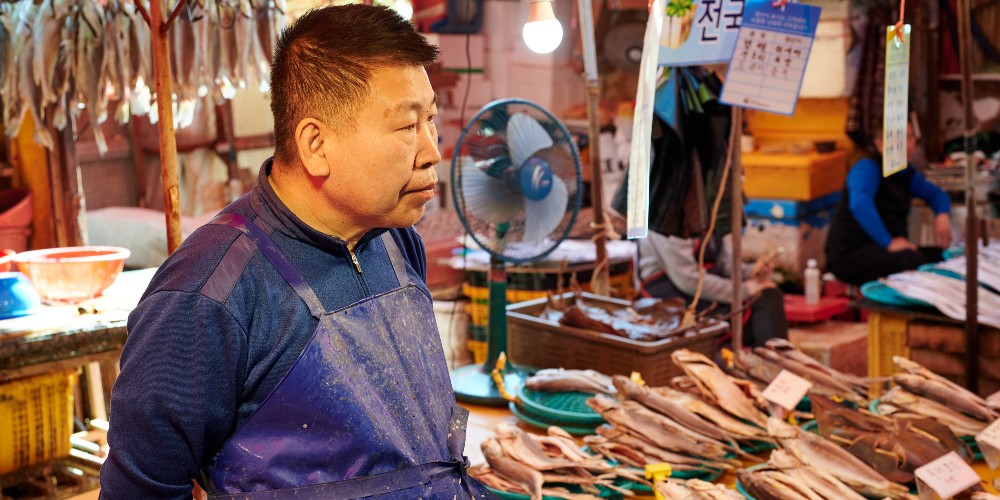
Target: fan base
x: 473, y: 385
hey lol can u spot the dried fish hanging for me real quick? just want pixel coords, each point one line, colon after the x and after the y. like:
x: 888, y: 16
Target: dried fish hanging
x: 63, y: 56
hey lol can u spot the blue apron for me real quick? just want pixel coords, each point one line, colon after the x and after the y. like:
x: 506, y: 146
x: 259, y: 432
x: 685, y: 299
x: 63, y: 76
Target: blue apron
x: 367, y: 409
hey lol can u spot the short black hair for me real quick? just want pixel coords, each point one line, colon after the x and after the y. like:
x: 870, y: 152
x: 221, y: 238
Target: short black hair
x: 323, y: 61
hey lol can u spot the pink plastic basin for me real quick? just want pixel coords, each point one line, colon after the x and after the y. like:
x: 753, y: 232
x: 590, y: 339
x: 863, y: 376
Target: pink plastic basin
x: 72, y: 274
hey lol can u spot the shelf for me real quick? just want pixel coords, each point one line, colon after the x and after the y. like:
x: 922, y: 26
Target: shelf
x: 978, y: 77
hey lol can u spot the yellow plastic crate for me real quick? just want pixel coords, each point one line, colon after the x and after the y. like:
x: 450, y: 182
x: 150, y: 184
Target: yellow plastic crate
x: 887, y: 337
x: 36, y: 419
x: 479, y: 349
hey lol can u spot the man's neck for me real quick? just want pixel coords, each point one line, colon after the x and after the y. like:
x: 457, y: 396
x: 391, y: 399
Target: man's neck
x: 316, y: 215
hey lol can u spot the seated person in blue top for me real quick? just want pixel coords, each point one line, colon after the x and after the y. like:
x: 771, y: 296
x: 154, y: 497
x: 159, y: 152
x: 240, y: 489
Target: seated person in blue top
x: 668, y: 268
x: 868, y: 236
x: 289, y: 347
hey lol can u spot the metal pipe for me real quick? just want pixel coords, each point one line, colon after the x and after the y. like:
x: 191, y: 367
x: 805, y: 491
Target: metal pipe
x: 971, y: 223
x: 736, y: 227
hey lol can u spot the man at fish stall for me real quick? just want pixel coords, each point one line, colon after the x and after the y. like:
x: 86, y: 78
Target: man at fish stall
x: 290, y: 345
x: 668, y: 268
x: 868, y: 238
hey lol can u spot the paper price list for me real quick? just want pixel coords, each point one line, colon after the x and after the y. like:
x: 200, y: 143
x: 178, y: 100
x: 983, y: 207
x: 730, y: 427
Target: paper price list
x: 767, y: 68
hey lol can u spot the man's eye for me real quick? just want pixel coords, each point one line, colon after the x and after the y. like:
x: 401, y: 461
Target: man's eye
x: 409, y: 127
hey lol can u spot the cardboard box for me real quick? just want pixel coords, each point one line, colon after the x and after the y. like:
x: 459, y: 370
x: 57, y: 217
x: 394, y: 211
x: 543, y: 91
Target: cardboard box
x: 840, y: 345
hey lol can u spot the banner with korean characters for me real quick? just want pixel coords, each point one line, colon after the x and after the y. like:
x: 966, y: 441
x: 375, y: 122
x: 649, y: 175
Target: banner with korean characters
x: 699, y: 31
x: 772, y: 50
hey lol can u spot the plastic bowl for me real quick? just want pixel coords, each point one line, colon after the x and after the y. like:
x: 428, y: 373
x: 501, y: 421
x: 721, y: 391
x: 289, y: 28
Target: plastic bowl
x: 17, y: 296
x: 72, y: 274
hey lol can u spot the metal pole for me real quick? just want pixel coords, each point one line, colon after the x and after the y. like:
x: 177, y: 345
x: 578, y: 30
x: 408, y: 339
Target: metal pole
x: 971, y: 222
x: 164, y: 106
x: 600, y: 278
x: 736, y: 227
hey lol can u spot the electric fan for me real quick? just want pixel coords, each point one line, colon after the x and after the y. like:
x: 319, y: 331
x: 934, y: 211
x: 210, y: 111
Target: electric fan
x: 515, y: 177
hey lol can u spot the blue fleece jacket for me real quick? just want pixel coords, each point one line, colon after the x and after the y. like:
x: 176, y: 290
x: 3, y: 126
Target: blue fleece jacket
x: 200, y: 359
x: 862, y: 184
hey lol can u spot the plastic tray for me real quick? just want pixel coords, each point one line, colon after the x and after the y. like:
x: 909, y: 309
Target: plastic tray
x: 878, y: 292
x: 566, y: 407
x: 576, y: 430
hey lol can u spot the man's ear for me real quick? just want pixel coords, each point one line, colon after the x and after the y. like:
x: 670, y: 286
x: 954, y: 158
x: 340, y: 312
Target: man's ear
x: 309, y: 138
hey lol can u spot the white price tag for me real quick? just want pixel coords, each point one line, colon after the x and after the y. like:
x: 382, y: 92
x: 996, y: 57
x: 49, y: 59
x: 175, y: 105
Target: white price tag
x: 894, y: 100
x: 786, y: 390
x: 989, y: 444
x: 947, y: 476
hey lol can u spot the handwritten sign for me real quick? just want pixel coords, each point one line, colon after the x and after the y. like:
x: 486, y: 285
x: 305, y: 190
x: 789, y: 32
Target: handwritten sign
x: 947, y: 476
x: 989, y: 444
x: 897, y: 88
x: 699, y: 32
x: 786, y: 390
x: 772, y: 50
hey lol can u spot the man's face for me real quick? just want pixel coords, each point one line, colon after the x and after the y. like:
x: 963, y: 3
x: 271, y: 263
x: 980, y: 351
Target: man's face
x: 382, y: 172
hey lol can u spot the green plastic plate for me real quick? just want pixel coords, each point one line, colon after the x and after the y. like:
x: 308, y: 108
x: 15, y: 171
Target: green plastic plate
x: 576, y: 430
x: 873, y: 290
x: 565, y: 407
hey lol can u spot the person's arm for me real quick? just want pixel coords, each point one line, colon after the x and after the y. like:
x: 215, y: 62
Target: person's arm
x: 175, y: 401
x: 862, y: 184
x: 681, y: 266
x: 934, y: 196
x: 939, y: 202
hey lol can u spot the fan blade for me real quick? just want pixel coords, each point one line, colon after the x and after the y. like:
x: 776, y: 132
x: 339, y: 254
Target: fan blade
x: 525, y: 137
x: 486, y: 197
x: 544, y: 215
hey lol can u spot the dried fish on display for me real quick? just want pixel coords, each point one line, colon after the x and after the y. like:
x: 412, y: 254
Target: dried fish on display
x: 63, y: 56
x: 824, y: 380
x: 895, y: 447
x: 819, y: 453
x: 919, y: 380
x: 717, y: 387
x: 694, y: 489
x: 645, y: 320
x: 945, y: 293
x: 562, y: 380
x: 897, y: 399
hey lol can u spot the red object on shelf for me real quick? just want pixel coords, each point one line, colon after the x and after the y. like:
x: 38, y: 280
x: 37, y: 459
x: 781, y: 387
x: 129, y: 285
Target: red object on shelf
x: 797, y: 311
x: 71, y: 274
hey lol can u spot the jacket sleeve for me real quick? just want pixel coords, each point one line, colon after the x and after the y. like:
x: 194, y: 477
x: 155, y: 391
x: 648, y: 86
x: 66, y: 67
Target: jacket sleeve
x: 175, y: 401
x: 934, y: 196
x: 862, y: 184
x: 681, y: 266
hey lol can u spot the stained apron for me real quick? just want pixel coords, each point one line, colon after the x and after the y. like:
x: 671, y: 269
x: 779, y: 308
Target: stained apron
x: 365, y: 411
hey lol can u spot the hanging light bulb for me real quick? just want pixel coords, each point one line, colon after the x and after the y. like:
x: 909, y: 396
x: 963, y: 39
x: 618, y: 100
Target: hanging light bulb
x: 542, y: 33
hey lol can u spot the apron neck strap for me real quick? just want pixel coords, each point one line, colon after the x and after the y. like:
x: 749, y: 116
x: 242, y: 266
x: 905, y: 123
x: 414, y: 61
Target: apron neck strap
x: 396, y: 257
x: 258, y: 233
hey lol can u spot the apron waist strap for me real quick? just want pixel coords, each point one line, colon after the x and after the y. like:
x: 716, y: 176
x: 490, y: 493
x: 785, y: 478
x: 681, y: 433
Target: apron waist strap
x: 365, y: 486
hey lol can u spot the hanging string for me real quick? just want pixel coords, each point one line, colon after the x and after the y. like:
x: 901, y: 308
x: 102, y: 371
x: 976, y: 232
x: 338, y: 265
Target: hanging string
x: 899, y: 24
x: 603, y: 230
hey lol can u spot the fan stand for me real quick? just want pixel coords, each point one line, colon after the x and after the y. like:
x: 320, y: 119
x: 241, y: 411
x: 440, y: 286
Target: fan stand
x: 474, y: 383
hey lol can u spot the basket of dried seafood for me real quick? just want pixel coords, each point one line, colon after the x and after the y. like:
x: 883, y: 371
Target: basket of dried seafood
x: 582, y: 330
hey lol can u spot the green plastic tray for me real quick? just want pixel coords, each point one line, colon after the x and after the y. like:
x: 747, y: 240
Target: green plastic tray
x: 576, y: 430
x: 605, y: 493
x: 874, y: 290
x: 565, y: 407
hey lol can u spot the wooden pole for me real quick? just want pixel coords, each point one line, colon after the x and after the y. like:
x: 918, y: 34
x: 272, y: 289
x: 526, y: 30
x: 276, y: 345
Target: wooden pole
x: 971, y: 223
x: 736, y: 224
x: 599, y: 281
x: 168, y: 142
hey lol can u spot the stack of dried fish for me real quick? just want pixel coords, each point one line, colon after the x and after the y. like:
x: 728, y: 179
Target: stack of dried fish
x: 825, y: 460
x: 62, y: 56
x: 562, y: 380
x: 945, y: 293
x: 535, y: 465
x: 786, y: 477
x: 922, y: 392
x: 694, y: 489
x: 764, y: 363
x: 893, y: 446
x: 715, y: 386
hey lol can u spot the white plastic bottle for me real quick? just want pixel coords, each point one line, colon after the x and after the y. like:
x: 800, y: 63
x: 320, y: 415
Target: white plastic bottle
x: 812, y: 282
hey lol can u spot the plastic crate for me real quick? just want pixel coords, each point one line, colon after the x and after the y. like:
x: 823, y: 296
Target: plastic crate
x: 539, y: 343
x: 36, y: 419
x: 887, y: 337
x: 794, y: 176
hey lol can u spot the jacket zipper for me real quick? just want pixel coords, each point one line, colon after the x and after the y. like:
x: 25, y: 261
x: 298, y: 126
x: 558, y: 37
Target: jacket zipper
x: 357, y: 266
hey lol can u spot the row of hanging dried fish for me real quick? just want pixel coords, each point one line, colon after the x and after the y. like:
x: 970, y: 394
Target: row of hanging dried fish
x: 98, y: 55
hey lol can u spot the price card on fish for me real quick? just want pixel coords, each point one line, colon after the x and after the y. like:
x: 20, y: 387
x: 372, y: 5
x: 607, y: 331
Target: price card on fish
x: 786, y: 390
x: 947, y: 476
x: 989, y: 444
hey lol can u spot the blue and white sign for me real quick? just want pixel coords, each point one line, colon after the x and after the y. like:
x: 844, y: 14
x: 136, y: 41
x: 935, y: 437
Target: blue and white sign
x: 699, y: 31
x: 772, y: 50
